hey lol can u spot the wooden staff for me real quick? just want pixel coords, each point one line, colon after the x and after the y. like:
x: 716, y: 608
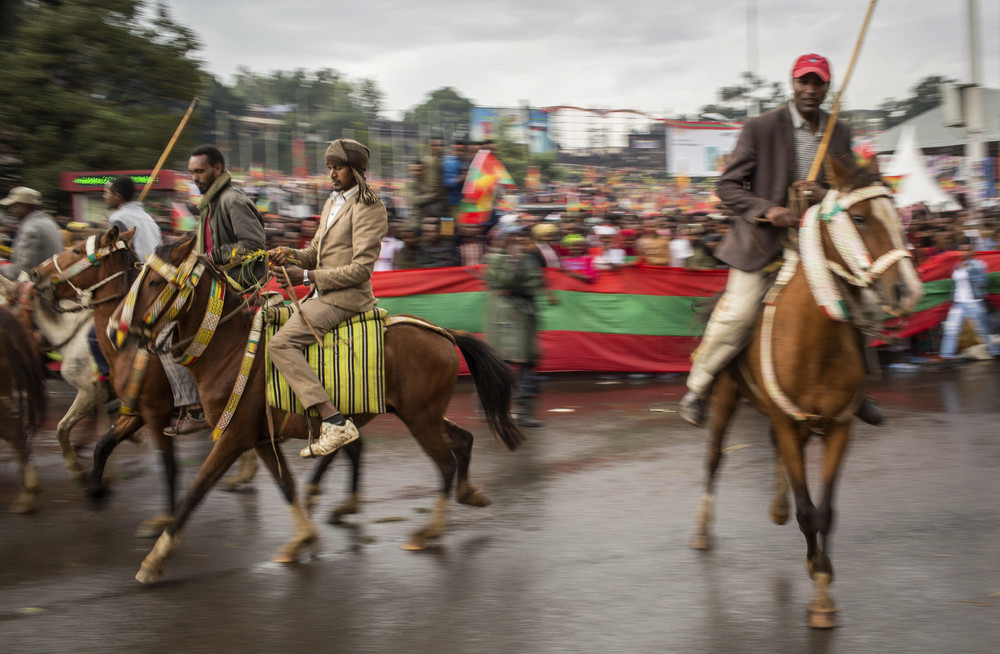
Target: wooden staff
x: 166, y: 152
x: 832, y: 120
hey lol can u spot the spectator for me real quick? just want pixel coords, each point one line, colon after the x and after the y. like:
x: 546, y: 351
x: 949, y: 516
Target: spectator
x: 436, y: 250
x: 680, y: 247
x: 408, y: 256
x: 653, y: 248
x: 578, y: 263
x: 968, y: 303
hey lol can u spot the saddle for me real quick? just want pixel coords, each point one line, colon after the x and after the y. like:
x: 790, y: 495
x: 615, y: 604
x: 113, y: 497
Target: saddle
x: 350, y: 365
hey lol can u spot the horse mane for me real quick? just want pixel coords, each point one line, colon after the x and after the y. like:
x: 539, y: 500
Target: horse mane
x: 24, y: 367
x: 862, y: 178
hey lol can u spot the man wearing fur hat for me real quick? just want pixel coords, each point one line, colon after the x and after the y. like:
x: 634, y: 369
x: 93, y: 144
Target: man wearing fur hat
x: 38, y: 236
x: 338, y: 265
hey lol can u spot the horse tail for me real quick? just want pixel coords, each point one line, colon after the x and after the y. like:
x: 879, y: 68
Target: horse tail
x: 495, y: 384
x: 25, y: 371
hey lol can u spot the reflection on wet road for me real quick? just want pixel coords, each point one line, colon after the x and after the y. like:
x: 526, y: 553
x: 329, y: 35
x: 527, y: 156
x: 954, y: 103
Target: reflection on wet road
x: 584, y: 549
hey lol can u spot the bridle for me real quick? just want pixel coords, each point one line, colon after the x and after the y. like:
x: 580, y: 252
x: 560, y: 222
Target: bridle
x: 823, y: 274
x: 859, y: 270
x: 91, y: 260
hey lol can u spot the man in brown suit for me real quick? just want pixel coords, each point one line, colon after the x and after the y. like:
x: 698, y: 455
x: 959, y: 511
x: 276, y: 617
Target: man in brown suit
x: 775, y: 151
x: 338, y: 264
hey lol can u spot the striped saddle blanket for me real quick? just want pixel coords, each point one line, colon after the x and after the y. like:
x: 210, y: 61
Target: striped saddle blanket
x: 350, y: 364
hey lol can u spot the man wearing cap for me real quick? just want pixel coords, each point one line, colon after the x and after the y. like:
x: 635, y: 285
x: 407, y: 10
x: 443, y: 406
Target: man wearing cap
x: 338, y: 264
x: 775, y: 151
x: 228, y: 220
x: 38, y: 236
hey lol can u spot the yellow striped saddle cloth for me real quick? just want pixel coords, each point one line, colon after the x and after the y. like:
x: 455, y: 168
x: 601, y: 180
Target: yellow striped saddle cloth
x: 350, y: 364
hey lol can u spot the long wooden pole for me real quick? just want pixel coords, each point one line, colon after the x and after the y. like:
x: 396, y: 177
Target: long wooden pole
x: 166, y: 151
x: 832, y: 120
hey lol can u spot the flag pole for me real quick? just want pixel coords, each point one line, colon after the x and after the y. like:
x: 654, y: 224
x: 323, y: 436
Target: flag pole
x: 166, y: 151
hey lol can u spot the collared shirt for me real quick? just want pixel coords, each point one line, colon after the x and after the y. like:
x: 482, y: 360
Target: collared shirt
x: 131, y: 215
x: 340, y: 198
x: 806, y: 142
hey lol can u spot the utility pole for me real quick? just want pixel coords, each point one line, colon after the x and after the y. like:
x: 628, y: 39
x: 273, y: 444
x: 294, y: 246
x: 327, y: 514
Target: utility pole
x: 974, y: 150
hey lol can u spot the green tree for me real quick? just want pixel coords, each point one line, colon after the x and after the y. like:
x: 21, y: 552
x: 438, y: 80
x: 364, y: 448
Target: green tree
x: 925, y: 95
x: 446, y: 109
x: 94, y: 85
x: 736, y: 101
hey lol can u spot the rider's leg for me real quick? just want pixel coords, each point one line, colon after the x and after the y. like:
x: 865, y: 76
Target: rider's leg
x: 286, y: 352
x: 727, y: 333
x: 185, y: 390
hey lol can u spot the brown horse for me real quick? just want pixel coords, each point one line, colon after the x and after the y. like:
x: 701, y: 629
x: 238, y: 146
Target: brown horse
x: 22, y: 402
x: 96, y: 273
x: 421, y: 367
x: 806, y: 371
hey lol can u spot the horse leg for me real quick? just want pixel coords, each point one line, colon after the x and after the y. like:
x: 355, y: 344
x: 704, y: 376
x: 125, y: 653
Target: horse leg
x: 779, y: 503
x: 429, y: 432
x: 27, y: 498
x: 124, y: 426
x: 461, y: 446
x: 791, y: 442
x: 725, y: 400
x: 313, y: 490
x: 153, y: 527
x: 223, y: 455
x: 822, y: 610
x: 83, y: 404
x: 246, y: 473
x: 352, y: 504
x: 306, y: 535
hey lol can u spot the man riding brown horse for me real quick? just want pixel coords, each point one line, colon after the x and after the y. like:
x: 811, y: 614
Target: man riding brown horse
x: 774, y: 153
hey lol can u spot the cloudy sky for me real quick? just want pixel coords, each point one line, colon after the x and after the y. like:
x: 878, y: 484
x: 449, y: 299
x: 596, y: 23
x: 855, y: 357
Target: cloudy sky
x: 658, y: 56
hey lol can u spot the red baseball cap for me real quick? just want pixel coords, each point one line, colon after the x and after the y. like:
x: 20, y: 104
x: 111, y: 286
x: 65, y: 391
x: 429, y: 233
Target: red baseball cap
x: 812, y: 63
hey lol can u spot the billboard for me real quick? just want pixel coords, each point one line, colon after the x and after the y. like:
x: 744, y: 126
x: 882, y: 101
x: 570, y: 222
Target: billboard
x: 699, y: 149
x: 523, y: 125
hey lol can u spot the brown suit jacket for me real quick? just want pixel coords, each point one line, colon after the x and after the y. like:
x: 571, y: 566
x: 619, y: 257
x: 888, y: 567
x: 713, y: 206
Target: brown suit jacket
x: 760, y: 171
x: 341, y: 259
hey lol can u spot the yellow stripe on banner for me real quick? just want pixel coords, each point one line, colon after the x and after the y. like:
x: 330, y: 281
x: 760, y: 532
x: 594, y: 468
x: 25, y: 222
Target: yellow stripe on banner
x: 350, y: 366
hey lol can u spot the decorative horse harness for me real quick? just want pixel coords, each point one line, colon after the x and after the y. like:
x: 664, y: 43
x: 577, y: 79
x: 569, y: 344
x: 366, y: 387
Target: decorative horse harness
x: 91, y: 260
x: 822, y: 274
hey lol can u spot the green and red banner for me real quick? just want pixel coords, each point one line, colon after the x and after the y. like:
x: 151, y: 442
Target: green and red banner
x: 638, y: 319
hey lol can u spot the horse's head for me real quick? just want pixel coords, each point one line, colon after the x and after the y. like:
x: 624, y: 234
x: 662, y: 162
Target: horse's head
x: 162, y: 292
x: 87, y: 265
x: 863, y: 240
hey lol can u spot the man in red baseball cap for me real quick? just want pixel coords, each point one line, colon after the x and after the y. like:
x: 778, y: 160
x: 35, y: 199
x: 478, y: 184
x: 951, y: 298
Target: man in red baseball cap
x: 775, y: 152
x: 811, y: 63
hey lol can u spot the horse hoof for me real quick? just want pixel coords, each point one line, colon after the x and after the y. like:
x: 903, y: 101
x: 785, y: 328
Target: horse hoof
x: 474, y: 497
x: 148, y: 575
x: 284, y: 557
x: 412, y: 546
x: 779, y: 516
x: 24, y: 505
x: 822, y: 619
x: 700, y: 542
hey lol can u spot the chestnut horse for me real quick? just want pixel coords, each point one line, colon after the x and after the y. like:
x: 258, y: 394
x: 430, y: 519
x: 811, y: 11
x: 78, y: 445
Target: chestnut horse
x: 421, y: 368
x: 805, y: 370
x: 22, y: 402
x: 95, y: 274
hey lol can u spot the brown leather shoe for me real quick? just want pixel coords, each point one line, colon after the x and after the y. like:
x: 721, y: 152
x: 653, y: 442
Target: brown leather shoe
x: 187, y: 424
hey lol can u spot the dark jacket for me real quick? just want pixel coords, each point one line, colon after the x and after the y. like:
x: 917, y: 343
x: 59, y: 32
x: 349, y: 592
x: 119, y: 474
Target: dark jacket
x: 235, y: 224
x: 760, y: 172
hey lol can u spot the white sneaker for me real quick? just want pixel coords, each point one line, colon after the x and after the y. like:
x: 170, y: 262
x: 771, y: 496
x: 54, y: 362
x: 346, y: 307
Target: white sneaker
x: 331, y: 438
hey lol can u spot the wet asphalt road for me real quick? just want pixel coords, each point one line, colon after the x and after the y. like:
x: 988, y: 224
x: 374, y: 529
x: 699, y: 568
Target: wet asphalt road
x: 584, y: 550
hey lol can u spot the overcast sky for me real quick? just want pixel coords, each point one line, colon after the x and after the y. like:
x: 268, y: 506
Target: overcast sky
x: 658, y: 56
